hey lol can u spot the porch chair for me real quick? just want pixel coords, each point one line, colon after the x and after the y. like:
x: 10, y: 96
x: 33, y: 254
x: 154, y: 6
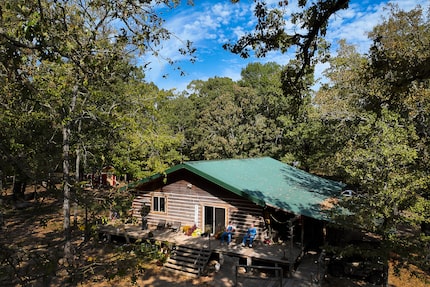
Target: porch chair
x: 176, y: 226
x: 161, y: 224
x: 250, y: 236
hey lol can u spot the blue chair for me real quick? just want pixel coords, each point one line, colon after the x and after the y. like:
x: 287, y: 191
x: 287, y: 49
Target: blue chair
x: 250, y: 236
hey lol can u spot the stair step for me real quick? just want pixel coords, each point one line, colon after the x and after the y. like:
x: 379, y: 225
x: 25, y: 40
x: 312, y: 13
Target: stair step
x: 190, y: 257
x: 191, y: 260
x: 186, y: 254
x: 188, y: 269
x: 185, y: 263
x: 188, y: 260
x: 190, y: 251
x: 181, y: 268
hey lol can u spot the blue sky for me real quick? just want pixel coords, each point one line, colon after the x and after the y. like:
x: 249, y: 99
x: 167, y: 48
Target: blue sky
x: 210, y: 24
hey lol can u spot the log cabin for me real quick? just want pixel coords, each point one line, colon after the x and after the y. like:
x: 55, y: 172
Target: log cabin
x: 272, y: 195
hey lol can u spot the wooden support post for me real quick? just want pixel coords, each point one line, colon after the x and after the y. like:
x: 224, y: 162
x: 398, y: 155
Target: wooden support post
x: 291, y: 256
x: 324, y: 233
x: 302, y: 221
x: 221, y: 258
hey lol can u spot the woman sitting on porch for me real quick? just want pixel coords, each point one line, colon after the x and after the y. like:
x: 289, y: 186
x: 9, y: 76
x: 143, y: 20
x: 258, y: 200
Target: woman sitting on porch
x: 250, y: 235
x: 227, y: 233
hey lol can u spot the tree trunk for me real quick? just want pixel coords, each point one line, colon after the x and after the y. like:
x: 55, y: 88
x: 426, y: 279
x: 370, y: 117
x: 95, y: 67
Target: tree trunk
x: 77, y: 179
x: 18, y: 188
x: 66, y: 181
x: 66, y: 191
x: 1, y: 182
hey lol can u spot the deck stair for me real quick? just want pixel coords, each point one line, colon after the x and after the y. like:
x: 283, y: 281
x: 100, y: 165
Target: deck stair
x: 188, y: 260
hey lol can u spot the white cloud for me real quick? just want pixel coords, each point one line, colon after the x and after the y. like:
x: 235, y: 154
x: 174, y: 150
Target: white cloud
x: 222, y: 12
x: 232, y: 73
x: 238, y: 32
x: 358, y: 20
x: 200, y: 25
x: 210, y: 24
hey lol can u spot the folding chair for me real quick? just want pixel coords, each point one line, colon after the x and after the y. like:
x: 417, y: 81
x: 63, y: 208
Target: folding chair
x: 176, y: 226
x: 161, y: 224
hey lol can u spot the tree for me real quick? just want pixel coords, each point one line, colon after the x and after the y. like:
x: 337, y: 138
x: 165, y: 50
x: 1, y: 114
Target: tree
x: 265, y: 81
x: 271, y: 34
x: 147, y: 143
x: 339, y: 106
x: 66, y: 54
x: 216, y: 132
x: 400, y: 55
x: 28, y: 149
x: 382, y: 150
x: 179, y: 113
x: 236, y: 119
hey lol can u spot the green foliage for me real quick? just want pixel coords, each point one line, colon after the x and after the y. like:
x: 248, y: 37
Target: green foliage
x: 146, y: 144
x: 372, y: 104
x: 235, y: 120
x: 76, y: 72
x: 400, y: 55
x: 68, y: 70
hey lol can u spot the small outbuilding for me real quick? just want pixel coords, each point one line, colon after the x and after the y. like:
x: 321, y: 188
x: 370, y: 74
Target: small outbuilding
x: 108, y: 177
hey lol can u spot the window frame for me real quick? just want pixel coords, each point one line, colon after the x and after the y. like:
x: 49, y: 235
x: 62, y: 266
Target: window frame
x: 158, y: 201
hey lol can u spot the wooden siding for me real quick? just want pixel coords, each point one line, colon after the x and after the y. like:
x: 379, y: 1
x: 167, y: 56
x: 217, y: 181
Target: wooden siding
x: 182, y: 196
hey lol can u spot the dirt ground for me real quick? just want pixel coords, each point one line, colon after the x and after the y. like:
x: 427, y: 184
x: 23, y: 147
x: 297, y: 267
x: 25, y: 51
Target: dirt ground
x: 31, y: 245
x: 31, y: 248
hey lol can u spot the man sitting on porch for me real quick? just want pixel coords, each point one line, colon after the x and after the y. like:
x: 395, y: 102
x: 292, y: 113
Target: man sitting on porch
x: 227, y: 233
x: 250, y: 235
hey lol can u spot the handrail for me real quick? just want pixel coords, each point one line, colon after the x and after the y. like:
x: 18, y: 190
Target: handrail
x: 197, y: 259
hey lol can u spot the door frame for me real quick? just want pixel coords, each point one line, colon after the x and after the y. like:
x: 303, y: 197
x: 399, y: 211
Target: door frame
x: 214, y: 226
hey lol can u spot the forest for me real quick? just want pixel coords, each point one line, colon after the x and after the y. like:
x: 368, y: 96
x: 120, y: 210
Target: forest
x: 73, y: 100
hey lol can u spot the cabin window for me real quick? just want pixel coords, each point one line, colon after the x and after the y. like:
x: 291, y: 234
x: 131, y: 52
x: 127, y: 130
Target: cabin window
x: 159, y: 204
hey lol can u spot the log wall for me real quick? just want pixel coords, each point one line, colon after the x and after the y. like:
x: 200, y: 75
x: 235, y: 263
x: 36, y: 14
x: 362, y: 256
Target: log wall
x: 183, y: 197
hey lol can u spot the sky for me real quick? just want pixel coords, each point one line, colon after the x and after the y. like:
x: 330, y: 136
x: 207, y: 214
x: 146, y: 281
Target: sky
x: 209, y: 24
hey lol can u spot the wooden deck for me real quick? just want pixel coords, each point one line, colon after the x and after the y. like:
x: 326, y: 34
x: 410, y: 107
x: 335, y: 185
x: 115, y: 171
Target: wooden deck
x: 274, y: 253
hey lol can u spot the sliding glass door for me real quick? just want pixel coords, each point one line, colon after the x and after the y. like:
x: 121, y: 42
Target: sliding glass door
x: 214, y: 219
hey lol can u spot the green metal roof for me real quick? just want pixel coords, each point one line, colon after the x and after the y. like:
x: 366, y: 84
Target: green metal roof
x: 267, y: 182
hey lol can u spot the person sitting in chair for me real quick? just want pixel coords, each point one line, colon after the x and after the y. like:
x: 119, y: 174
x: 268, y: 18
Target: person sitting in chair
x: 227, y: 233
x: 250, y: 235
